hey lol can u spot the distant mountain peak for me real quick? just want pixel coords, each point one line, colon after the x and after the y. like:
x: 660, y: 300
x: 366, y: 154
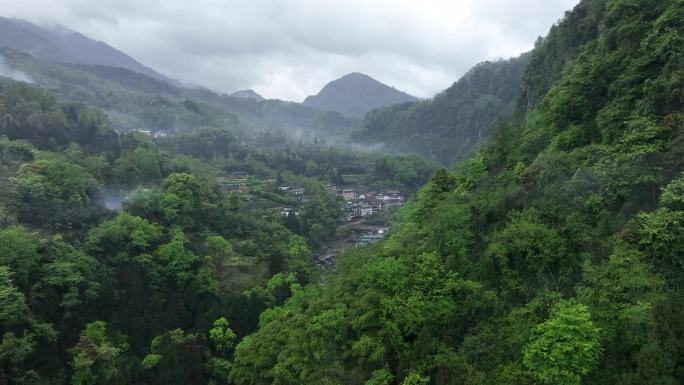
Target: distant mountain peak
x: 247, y: 94
x: 358, y: 75
x: 355, y: 94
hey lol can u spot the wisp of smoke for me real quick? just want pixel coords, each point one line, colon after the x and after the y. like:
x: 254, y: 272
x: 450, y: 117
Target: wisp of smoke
x: 14, y: 74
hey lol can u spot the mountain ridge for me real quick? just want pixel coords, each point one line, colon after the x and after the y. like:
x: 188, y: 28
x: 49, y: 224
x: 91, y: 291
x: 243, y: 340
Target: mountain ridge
x: 456, y: 121
x: 60, y: 44
x: 247, y: 94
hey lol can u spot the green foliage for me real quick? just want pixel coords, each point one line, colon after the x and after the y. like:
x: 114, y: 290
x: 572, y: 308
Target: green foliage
x: 528, y: 254
x: 552, y: 256
x: 179, y: 262
x: 14, y: 308
x: 34, y: 114
x: 415, y: 379
x: 221, y: 336
x: 141, y: 165
x: 175, y: 359
x: 673, y: 195
x: 662, y: 237
x: 565, y: 347
x: 456, y: 122
x: 150, y: 361
x: 403, y: 170
x: 95, y: 359
x: 19, y: 252
x: 123, y: 237
x: 234, y: 201
x: 380, y: 377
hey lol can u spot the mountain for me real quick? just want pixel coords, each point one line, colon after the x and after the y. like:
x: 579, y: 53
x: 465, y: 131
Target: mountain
x: 131, y: 99
x: 247, y: 94
x: 455, y: 122
x: 134, y: 100
x: 551, y: 256
x: 355, y: 94
x: 60, y: 44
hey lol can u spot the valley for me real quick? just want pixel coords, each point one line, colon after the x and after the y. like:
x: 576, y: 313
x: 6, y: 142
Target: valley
x: 523, y: 226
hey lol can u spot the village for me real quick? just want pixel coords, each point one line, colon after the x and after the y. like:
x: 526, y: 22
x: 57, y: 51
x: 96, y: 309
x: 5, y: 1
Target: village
x: 359, y: 222
x: 362, y: 204
x: 358, y: 203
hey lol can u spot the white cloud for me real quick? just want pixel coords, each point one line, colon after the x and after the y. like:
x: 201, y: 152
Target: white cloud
x: 290, y: 48
x: 13, y: 73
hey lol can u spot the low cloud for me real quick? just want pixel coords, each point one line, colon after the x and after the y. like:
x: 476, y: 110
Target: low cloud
x: 7, y: 71
x: 289, y: 49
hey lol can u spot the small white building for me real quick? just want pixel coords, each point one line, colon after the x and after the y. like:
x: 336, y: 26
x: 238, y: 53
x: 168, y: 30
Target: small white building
x: 349, y: 194
x: 366, y: 210
x: 287, y: 211
x: 292, y: 190
x: 144, y: 131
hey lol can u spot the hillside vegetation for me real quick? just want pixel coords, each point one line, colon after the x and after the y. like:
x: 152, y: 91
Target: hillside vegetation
x: 453, y: 124
x: 134, y: 100
x: 552, y: 256
x: 60, y: 44
x: 131, y: 260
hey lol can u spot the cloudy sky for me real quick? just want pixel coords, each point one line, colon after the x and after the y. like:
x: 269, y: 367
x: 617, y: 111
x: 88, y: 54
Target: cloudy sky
x: 289, y: 49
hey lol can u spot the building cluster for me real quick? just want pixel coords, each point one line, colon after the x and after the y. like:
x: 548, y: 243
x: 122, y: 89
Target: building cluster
x: 154, y: 134
x: 287, y: 211
x: 292, y: 190
x: 364, y: 204
x: 371, y: 237
x: 297, y: 192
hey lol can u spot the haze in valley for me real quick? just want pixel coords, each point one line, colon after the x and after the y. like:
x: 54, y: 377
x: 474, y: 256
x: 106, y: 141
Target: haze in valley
x: 291, y: 49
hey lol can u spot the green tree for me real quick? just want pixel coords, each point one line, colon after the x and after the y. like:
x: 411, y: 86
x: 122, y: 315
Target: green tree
x: 180, y: 202
x: 95, y: 359
x: 221, y: 336
x: 123, y: 237
x: 415, y: 378
x: 24, y: 339
x: 19, y: 252
x: 565, y: 347
x: 234, y: 201
x: 312, y: 168
x: 141, y: 165
x: 175, y: 359
x: 179, y: 261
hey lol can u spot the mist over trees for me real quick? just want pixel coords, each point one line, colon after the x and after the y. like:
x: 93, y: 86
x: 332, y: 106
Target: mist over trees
x: 550, y: 253
x: 456, y: 122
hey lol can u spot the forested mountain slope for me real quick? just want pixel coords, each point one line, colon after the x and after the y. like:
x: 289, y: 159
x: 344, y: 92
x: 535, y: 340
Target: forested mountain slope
x: 60, y: 44
x: 355, y: 94
x: 552, y: 256
x: 134, y: 100
x: 127, y: 259
x: 455, y: 122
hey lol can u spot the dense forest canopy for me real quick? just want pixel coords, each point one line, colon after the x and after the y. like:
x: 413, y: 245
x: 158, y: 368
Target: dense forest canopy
x: 551, y: 255
x: 122, y: 256
x: 134, y: 100
x: 453, y: 124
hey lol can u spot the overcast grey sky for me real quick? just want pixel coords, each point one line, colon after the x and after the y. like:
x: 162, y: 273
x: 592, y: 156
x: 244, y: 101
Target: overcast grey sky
x: 289, y: 49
